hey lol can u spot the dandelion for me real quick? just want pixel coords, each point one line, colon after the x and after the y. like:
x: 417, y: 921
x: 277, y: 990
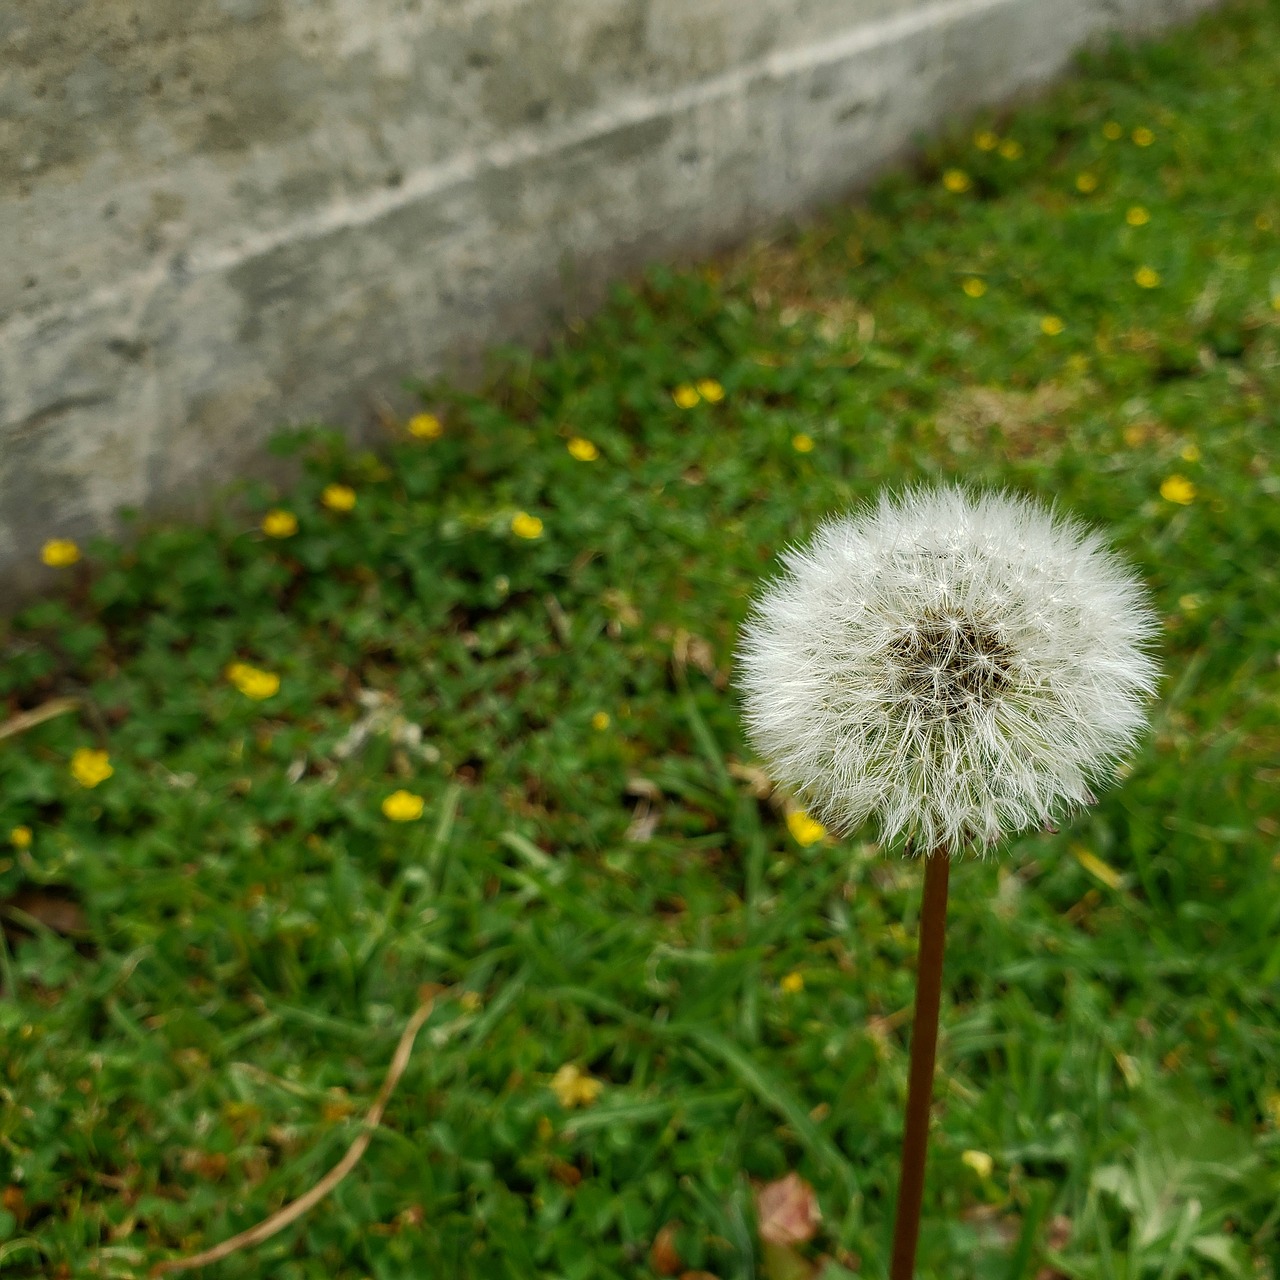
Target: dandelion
x: 89, y: 767
x: 685, y: 396
x: 338, y: 497
x: 1143, y: 136
x: 20, y: 837
x: 980, y: 1162
x: 1137, y: 216
x: 1112, y: 131
x: 252, y: 682
x: 1052, y: 325
x: 426, y: 426
x: 523, y: 525
x: 985, y: 140
x: 974, y: 287
x: 959, y: 666
x: 1178, y: 489
x: 802, y: 442
x: 1146, y: 277
x: 574, y: 1088
x: 1011, y: 149
x: 279, y: 524
x: 804, y: 829
x: 1086, y: 183
x: 792, y: 984
x: 956, y: 181
x: 582, y: 449
x: 403, y: 806
x: 710, y: 390
x: 58, y: 553
x: 600, y: 721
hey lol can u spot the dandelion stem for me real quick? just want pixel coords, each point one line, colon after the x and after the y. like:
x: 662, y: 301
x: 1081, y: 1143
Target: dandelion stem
x: 924, y: 1044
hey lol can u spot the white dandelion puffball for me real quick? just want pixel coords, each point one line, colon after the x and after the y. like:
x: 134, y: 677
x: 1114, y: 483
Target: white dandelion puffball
x: 960, y: 665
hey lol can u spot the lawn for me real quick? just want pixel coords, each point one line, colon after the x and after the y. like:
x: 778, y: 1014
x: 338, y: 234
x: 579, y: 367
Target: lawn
x: 659, y: 987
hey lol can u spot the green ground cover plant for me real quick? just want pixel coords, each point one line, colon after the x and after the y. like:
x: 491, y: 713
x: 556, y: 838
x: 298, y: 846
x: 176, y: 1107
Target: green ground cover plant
x: 460, y: 714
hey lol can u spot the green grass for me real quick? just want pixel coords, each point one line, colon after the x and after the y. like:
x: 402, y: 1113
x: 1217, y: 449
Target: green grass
x: 253, y: 932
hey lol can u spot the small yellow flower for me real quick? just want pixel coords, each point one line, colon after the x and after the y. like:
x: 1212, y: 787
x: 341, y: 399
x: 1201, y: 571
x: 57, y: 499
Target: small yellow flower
x: 523, y: 525
x: 981, y: 1163
x: 804, y: 829
x: 338, y: 497
x: 1143, y: 136
x: 1178, y: 489
x: 252, y: 682
x: 1112, y: 130
x: 1052, y: 325
x: 20, y: 837
x: 403, y: 806
x: 600, y: 721
x: 1137, y: 216
x: 89, y: 767
x: 1146, y: 277
x: 985, y: 140
x: 685, y: 396
x: 1190, y: 452
x: 956, y: 181
x: 426, y: 426
x: 57, y: 553
x: 582, y: 449
x: 802, y: 443
x: 279, y: 524
x: 710, y: 390
x: 574, y: 1088
x: 974, y: 287
x: 792, y: 984
x: 1086, y: 182
x: 1011, y: 149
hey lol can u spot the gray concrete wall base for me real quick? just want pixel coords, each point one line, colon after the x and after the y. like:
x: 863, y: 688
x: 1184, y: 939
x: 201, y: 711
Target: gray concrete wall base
x: 232, y: 215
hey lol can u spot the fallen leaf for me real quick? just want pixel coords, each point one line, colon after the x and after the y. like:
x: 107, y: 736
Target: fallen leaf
x: 51, y: 906
x: 787, y: 1211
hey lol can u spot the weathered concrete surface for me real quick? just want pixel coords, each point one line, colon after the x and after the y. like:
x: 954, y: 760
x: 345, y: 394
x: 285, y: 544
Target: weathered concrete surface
x: 222, y: 216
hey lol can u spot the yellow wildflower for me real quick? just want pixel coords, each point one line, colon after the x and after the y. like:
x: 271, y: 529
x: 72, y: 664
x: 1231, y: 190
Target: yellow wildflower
x: 252, y: 682
x: 1086, y: 182
x: 1146, y: 277
x: 1011, y: 149
x: 1137, y: 216
x: 57, y: 553
x: 426, y: 426
x: 685, y: 396
x: 710, y: 390
x: 956, y: 181
x: 974, y: 287
x: 89, y: 767
x: 802, y: 443
x: 574, y: 1088
x: 1178, y: 489
x: 523, y: 525
x: 1190, y: 452
x: 582, y: 449
x: 20, y: 837
x: 403, y: 806
x: 338, y: 497
x: 600, y: 721
x: 1052, y: 325
x: 1143, y: 136
x: 804, y: 829
x: 1112, y: 130
x: 792, y: 984
x: 279, y: 524
x: 981, y: 1163
x: 985, y: 140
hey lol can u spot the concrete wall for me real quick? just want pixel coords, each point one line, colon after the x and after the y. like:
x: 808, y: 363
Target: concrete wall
x: 222, y: 216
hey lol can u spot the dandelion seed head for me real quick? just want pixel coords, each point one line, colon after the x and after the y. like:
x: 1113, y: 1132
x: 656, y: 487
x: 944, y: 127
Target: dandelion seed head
x: 957, y: 665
